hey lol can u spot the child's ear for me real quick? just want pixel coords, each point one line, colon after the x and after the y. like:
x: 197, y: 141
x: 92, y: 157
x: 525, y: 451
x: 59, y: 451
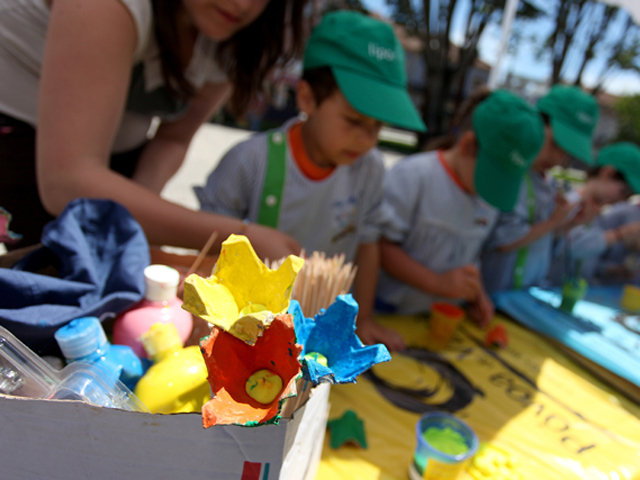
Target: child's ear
x: 304, y: 98
x: 468, y: 144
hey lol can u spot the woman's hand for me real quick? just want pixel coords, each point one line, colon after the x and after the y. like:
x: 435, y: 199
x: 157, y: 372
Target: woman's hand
x: 269, y: 243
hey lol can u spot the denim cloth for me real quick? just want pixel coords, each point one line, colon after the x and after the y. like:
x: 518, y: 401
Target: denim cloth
x: 100, y: 253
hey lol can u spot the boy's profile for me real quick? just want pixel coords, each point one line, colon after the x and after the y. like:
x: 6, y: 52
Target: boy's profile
x: 320, y: 179
x: 614, y: 178
x: 518, y: 253
x: 446, y: 202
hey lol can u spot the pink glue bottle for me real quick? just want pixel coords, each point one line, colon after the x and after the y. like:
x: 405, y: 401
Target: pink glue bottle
x: 160, y: 304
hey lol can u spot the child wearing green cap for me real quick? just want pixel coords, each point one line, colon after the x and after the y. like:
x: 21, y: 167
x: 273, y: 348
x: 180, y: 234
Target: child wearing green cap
x: 616, y: 237
x: 519, y: 251
x: 615, y: 178
x: 321, y: 179
x: 446, y: 202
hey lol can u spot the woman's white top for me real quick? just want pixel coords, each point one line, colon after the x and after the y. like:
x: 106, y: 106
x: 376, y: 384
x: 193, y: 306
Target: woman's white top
x: 23, y: 30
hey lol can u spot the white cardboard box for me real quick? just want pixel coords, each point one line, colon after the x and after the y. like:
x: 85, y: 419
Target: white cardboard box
x: 50, y: 440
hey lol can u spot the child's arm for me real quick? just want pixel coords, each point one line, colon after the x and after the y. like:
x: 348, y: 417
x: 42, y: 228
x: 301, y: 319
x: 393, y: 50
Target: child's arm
x: 538, y: 230
x: 463, y: 282
x: 369, y: 331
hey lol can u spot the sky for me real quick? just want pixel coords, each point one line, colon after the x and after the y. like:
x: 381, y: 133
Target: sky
x: 524, y: 63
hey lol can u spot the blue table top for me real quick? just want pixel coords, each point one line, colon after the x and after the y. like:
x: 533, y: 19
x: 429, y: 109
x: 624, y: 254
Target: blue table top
x: 597, y: 328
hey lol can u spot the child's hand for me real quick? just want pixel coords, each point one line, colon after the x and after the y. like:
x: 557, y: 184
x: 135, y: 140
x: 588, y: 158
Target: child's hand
x: 559, y: 217
x: 482, y: 310
x: 371, y: 332
x: 630, y: 235
x: 463, y: 282
x: 589, y: 210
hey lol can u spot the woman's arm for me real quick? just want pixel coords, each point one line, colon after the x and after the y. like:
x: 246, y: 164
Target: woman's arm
x: 84, y: 84
x: 164, y: 154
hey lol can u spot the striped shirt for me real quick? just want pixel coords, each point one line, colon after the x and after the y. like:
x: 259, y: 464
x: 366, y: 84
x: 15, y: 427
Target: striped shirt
x: 435, y: 221
x: 498, y: 267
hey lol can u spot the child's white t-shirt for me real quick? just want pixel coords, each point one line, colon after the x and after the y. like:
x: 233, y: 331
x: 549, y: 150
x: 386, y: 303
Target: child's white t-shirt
x: 333, y: 215
x: 498, y: 268
x: 435, y: 221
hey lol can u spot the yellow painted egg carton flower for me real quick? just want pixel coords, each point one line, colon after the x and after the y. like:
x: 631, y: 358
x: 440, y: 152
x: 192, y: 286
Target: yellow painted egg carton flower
x: 243, y: 296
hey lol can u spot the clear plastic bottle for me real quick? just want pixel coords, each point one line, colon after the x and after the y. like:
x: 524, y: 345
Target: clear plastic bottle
x: 160, y: 304
x: 84, y: 340
x: 25, y: 374
x: 177, y: 380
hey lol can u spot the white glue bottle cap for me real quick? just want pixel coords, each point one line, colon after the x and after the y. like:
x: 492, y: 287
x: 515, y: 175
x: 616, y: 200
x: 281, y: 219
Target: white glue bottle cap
x: 162, y: 283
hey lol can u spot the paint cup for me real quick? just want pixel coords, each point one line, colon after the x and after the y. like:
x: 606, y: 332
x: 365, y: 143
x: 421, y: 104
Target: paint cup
x: 445, y: 318
x: 572, y: 292
x: 444, y: 446
x: 630, y: 299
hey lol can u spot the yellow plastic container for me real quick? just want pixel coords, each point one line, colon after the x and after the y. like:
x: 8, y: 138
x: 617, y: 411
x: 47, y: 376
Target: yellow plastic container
x: 177, y: 381
x: 630, y: 300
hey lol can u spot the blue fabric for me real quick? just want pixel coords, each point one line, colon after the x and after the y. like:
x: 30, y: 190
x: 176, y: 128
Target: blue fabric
x: 594, y: 329
x: 100, y: 253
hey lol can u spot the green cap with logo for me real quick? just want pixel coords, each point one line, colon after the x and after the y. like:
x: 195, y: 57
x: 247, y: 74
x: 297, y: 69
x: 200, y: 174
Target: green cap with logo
x: 510, y: 133
x: 574, y: 115
x: 367, y: 62
x: 625, y: 158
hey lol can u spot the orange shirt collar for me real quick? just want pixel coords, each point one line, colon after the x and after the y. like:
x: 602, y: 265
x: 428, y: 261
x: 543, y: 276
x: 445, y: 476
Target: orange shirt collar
x: 301, y: 157
x: 451, y: 173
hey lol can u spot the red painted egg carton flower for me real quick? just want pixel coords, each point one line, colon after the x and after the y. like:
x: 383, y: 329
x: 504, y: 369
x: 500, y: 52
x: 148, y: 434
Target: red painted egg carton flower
x: 249, y: 383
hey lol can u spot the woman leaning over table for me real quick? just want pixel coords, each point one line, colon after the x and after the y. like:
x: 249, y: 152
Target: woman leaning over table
x: 89, y: 76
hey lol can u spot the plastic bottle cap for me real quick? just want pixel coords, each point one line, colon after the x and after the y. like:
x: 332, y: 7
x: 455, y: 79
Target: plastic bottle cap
x: 162, y: 283
x: 160, y: 338
x: 81, y: 337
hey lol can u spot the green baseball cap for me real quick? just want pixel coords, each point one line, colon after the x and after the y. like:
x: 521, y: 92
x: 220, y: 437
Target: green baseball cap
x: 574, y: 115
x: 510, y: 133
x: 625, y: 158
x: 367, y: 62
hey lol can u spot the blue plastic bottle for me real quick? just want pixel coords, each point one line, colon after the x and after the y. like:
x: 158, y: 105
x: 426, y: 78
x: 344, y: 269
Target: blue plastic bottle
x: 84, y: 340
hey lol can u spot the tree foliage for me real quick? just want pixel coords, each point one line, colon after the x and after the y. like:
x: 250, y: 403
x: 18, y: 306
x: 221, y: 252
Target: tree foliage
x: 628, y: 110
x: 589, y: 29
x: 447, y: 64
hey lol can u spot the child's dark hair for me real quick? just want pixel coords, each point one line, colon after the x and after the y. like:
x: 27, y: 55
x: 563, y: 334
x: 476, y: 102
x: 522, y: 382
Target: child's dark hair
x: 275, y: 37
x: 322, y: 82
x: 461, y: 122
x: 546, y: 119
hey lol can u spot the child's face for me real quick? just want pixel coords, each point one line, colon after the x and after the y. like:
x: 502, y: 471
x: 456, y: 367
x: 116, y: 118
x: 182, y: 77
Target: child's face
x: 604, y: 189
x: 335, y: 133
x: 551, y: 155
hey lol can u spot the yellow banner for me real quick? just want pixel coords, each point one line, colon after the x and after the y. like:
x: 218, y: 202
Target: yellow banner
x: 547, y: 415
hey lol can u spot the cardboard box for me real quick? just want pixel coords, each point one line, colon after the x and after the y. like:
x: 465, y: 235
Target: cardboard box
x: 51, y: 439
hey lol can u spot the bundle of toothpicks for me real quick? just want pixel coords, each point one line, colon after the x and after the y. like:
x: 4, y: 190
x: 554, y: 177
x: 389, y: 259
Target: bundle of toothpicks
x: 320, y: 281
